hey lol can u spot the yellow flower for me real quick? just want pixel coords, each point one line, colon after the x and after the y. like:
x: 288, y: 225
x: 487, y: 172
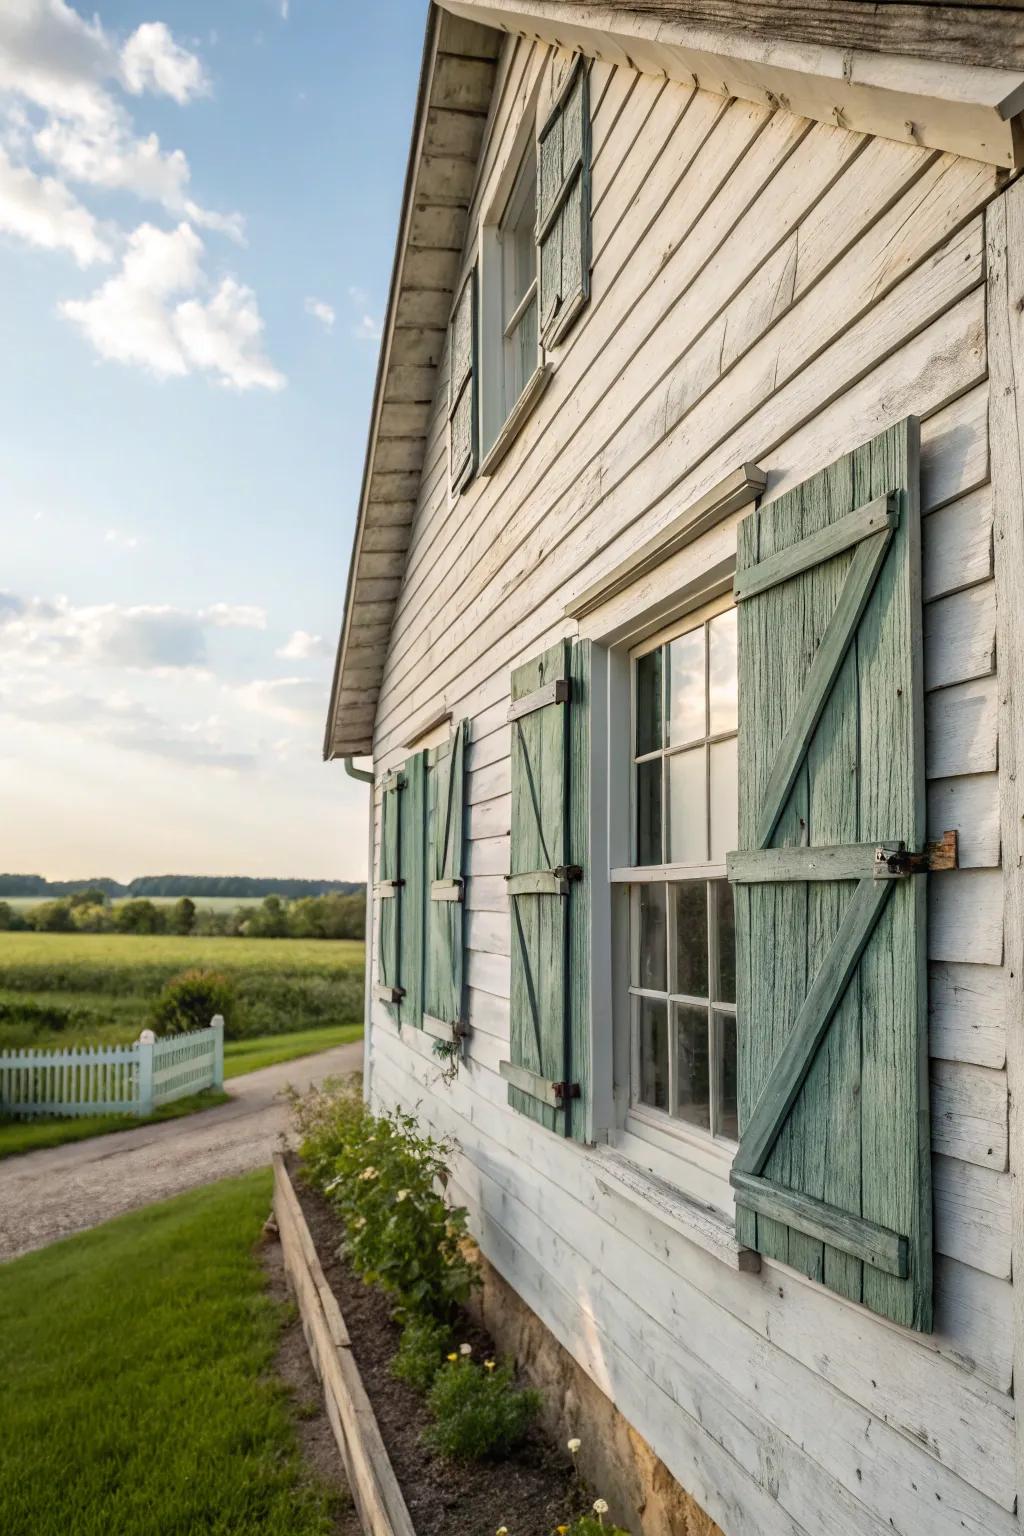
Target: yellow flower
x: 501, y: 1531
x: 453, y: 1356
x: 560, y: 1530
x: 489, y: 1365
x: 403, y: 1194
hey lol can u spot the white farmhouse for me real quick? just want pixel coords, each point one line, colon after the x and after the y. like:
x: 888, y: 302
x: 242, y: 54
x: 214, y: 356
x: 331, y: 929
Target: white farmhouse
x: 685, y: 630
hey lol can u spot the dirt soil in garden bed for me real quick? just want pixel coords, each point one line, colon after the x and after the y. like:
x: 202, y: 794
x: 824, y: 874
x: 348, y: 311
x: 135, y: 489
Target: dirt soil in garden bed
x: 531, y: 1492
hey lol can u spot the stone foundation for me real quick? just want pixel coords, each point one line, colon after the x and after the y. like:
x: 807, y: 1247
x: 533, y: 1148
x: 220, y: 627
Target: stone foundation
x: 616, y: 1461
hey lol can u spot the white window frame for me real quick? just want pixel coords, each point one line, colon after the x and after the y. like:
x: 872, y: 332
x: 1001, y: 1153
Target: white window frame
x: 630, y: 877
x: 499, y: 420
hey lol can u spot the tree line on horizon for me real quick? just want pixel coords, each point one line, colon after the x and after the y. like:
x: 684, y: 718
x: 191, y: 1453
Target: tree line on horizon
x: 15, y: 885
x: 336, y: 915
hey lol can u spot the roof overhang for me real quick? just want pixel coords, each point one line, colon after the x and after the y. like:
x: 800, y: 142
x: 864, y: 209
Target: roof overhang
x: 456, y: 84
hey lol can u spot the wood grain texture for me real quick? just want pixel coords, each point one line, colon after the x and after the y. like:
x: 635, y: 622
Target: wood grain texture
x: 445, y: 917
x: 1004, y: 234
x: 412, y: 897
x: 389, y: 929
x: 832, y: 671
x: 990, y: 35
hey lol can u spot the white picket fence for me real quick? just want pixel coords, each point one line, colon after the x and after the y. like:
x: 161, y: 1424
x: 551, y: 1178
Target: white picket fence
x: 112, y: 1079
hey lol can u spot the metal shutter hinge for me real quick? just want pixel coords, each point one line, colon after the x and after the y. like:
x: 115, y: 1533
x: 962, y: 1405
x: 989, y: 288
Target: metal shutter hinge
x: 896, y: 858
x: 566, y: 1090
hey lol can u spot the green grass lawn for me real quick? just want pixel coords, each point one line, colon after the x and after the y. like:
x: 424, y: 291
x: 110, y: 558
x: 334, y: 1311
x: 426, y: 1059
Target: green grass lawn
x: 267, y: 1050
x: 136, y: 1393
x: 240, y: 1057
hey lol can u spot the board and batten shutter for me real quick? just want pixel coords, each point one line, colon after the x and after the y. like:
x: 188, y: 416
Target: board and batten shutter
x: 549, y: 889
x: 444, y: 940
x: 563, y: 207
x: 412, y: 842
x: 388, y: 893
x: 832, y: 1174
x: 462, y: 412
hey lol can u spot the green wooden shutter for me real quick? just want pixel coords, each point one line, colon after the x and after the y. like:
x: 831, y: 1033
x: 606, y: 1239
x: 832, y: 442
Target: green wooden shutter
x: 412, y: 892
x: 549, y: 889
x: 445, y: 792
x: 833, y: 1172
x: 388, y: 893
x: 563, y: 207
x: 462, y: 412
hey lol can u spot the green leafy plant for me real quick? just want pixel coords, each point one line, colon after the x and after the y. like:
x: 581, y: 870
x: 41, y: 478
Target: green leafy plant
x: 447, y: 1052
x: 478, y: 1410
x: 189, y: 1001
x: 590, y: 1525
x: 387, y: 1182
x: 421, y: 1351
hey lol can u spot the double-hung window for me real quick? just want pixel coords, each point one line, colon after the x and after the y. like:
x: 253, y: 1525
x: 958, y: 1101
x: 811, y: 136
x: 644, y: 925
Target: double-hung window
x: 682, y: 971
x: 519, y: 286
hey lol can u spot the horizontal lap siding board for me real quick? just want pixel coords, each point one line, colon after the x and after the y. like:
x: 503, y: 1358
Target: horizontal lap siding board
x: 517, y: 542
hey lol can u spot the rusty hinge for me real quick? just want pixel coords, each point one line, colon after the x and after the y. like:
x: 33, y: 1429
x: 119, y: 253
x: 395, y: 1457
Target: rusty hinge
x: 565, y: 1090
x: 568, y: 871
x: 896, y: 858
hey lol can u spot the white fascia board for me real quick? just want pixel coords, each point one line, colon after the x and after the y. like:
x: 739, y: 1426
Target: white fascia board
x: 964, y: 109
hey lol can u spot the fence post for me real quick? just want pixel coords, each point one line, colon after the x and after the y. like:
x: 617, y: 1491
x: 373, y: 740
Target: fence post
x: 217, y: 1025
x: 147, y: 1040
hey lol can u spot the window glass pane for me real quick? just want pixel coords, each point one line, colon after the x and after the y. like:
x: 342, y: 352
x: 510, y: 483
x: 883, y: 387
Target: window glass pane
x: 687, y: 813
x: 692, y: 1065
x: 725, y: 1049
x: 686, y: 688
x: 722, y: 898
x: 722, y: 673
x: 648, y: 812
x: 652, y: 939
x: 648, y: 703
x: 691, y: 902
x: 653, y: 1086
x: 724, y: 799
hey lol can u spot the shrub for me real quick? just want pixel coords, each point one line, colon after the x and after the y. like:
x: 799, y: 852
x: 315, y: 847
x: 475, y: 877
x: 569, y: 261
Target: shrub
x: 592, y: 1525
x: 189, y: 1001
x: 421, y: 1352
x: 387, y: 1183
x: 478, y: 1410
x: 140, y: 916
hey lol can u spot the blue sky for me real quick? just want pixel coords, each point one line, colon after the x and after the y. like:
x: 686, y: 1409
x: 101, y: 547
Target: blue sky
x: 188, y: 328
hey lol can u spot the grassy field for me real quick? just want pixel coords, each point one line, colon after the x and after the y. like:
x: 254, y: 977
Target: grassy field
x: 136, y: 1385
x: 57, y: 987
x: 242, y: 1056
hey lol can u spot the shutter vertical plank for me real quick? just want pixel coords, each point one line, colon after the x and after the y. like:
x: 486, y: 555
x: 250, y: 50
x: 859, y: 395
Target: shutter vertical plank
x: 388, y: 936
x: 580, y: 905
x: 825, y: 1118
x: 896, y: 1150
x: 445, y: 811
x: 412, y: 893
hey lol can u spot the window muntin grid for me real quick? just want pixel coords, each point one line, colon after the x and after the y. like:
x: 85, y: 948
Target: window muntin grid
x: 682, y: 988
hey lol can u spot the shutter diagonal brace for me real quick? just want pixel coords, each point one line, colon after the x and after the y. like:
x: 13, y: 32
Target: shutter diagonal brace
x: 835, y: 643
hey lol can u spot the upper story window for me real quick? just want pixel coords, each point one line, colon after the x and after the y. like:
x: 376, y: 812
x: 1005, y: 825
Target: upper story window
x: 682, y: 971
x: 518, y: 255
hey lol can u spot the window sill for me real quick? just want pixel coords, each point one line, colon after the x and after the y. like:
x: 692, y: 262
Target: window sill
x: 531, y: 393
x: 699, y: 1223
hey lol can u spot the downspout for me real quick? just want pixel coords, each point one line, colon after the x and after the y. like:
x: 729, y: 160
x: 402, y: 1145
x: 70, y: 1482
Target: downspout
x: 363, y: 777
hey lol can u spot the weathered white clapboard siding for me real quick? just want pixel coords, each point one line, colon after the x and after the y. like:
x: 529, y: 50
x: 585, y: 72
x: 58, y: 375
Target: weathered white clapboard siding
x: 751, y: 1329
x: 770, y: 290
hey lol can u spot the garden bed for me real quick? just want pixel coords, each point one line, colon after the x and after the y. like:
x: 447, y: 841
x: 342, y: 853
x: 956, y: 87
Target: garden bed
x: 531, y: 1491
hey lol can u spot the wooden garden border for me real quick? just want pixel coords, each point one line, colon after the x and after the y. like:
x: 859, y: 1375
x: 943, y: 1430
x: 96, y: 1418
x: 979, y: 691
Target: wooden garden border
x: 375, y: 1491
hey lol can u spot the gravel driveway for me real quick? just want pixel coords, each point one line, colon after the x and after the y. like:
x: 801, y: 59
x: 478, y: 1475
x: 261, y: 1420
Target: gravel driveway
x: 46, y: 1195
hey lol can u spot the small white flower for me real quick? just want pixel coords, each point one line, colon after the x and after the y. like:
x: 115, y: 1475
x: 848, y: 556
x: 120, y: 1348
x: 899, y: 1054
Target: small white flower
x: 359, y: 1223
x: 600, y: 1507
x: 403, y: 1194
x: 465, y: 1349
x: 368, y: 1173
x: 574, y: 1444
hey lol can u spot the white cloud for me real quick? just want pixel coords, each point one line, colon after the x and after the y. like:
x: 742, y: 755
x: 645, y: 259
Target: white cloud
x: 133, y: 317
x: 121, y: 540
x: 36, y: 633
x: 367, y: 326
x: 322, y: 311
x: 285, y: 8
x: 295, y: 699
x: 152, y: 60
x: 39, y: 210
x: 301, y: 646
